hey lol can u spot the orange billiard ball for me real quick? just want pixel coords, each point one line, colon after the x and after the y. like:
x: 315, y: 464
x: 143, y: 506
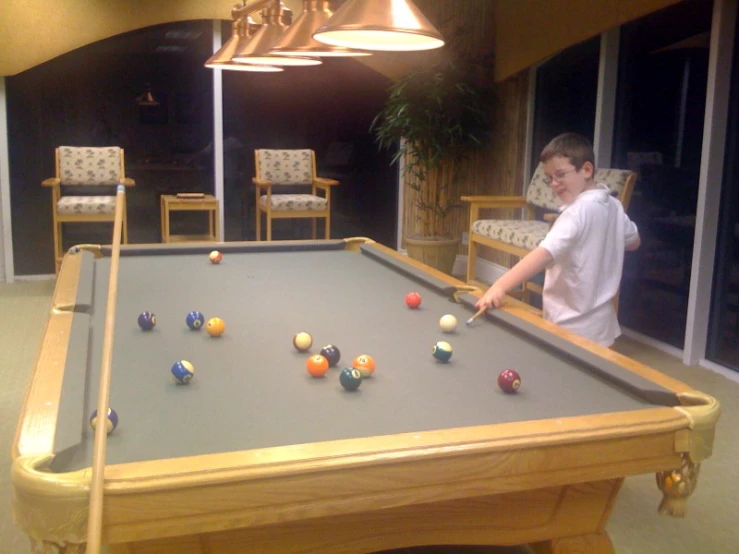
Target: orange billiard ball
x: 365, y: 364
x: 317, y: 365
x: 215, y: 327
x: 215, y: 257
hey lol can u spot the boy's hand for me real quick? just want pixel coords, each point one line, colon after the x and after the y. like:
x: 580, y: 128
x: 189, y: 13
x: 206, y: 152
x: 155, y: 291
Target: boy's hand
x: 492, y: 298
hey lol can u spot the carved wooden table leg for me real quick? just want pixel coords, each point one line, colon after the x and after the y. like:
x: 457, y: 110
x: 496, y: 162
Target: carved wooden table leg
x: 44, y: 547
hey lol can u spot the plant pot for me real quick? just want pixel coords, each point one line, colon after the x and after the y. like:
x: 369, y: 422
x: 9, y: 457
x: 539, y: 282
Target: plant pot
x: 437, y: 252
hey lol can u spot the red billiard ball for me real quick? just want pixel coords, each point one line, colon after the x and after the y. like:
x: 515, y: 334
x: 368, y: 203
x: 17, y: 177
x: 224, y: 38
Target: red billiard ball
x: 317, y: 365
x: 509, y: 381
x: 413, y: 300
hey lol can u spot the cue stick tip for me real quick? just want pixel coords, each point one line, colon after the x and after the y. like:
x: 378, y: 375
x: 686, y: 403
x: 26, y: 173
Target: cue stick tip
x: 474, y: 317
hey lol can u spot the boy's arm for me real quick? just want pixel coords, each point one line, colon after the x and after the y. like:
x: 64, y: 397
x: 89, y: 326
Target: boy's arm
x: 533, y: 263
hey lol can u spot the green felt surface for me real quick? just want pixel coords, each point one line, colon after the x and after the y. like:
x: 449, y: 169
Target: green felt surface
x: 251, y: 389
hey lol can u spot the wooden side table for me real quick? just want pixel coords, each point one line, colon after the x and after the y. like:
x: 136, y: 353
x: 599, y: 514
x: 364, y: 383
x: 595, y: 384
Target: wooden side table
x: 190, y: 203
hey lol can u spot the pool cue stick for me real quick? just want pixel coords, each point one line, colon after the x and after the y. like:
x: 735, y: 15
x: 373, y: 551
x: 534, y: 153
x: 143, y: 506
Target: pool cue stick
x: 95, y: 515
x: 478, y: 314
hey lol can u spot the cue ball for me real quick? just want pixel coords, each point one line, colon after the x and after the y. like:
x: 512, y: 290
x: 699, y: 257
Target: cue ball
x: 147, y: 320
x: 317, y: 365
x: 302, y: 341
x: 331, y: 353
x: 442, y: 351
x: 365, y: 364
x: 195, y: 320
x: 215, y: 327
x: 183, y: 372
x: 448, y: 323
x: 413, y: 300
x: 110, y: 424
x: 350, y: 378
x: 509, y: 381
x: 215, y: 257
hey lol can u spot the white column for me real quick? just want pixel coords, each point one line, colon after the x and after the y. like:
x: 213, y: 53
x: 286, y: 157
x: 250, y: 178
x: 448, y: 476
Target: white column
x: 605, y: 106
x: 7, y: 272
x: 218, y: 129
x: 710, y: 179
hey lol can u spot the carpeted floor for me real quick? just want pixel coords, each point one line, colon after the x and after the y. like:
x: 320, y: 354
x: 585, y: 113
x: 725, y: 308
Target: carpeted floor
x: 635, y: 527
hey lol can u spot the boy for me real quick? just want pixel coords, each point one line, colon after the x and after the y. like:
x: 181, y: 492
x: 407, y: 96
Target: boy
x: 583, y: 252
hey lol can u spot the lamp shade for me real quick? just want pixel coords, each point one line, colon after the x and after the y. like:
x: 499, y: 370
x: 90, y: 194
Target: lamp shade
x: 383, y: 25
x: 298, y: 39
x: 239, y: 37
x: 257, y: 49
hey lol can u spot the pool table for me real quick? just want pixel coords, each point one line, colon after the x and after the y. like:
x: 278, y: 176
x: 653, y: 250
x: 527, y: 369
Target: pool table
x: 255, y: 455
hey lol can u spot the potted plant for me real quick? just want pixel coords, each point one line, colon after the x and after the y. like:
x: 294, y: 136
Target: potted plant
x: 436, y: 116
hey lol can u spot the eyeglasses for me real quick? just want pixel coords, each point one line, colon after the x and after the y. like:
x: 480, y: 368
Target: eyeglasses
x: 558, y: 176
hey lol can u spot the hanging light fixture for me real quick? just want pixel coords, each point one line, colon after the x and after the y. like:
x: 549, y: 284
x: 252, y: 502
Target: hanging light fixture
x: 298, y: 39
x: 147, y: 98
x: 257, y: 50
x: 242, y: 29
x: 385, y: 25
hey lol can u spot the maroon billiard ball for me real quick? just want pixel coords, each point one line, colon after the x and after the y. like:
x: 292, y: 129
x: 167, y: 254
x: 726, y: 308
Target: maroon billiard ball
x: 509, y: 381
x: 413, y: 300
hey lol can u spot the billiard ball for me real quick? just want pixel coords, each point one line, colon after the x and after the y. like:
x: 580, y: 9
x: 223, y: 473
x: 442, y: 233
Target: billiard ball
x: 350, y: 378
x: 183, y: 372
x: 413, y: 300
x: 110, y: 424
x: 147, y: 320
x: 317, y: 365
x: 215, y: 327
x: 442, y: 351
x: 509, y: 381
x: 302, y: 341
x: 215, y: 257
x: 331, y: 353
x: 448, y: 323
x: 365, y: 364
x: 195, y: 320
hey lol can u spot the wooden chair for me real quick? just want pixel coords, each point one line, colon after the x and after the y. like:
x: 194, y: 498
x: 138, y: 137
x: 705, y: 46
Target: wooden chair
x: 520, y: 236
x: 290, y: 169
x: 84, y: 189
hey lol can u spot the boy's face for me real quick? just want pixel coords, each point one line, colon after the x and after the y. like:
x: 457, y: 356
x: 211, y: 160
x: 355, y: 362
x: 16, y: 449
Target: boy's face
x: 566, y: 181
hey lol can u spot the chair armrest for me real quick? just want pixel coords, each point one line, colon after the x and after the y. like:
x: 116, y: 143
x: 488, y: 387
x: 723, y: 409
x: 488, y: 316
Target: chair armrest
x: 260, y: 182
x: 128, y: 182
x: 324, y: 182
x: 51, y: 182
x: 496, y: 201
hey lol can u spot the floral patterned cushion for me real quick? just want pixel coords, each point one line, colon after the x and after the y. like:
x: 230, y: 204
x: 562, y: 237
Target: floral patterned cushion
x: 539, y: 193
x: 89, y: 166
x: 614, y: 179
x: 286, y: 167
x: 522, y: 233
x: 295, y: 203
x: 69, y: 205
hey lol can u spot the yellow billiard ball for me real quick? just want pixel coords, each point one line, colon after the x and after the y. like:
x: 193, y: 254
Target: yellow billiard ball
x: 215, y: 327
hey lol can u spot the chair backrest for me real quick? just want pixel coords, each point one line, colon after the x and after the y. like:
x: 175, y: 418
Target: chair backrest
x: 90, y: 165
x: 286, y: 167
x: 619, y: 181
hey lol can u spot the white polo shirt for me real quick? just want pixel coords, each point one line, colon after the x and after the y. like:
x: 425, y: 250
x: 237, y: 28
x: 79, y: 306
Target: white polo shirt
x: 587, y: 242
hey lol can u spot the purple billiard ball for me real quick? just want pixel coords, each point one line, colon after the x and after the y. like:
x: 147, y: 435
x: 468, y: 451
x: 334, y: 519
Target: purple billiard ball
x: 509, y: 381
x: 147, y: 320
x: 331, y: 353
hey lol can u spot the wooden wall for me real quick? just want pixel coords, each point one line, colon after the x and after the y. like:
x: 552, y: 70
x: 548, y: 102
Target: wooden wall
x: 498, y: 169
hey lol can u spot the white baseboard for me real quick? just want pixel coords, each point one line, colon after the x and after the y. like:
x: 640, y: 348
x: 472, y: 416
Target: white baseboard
x: 42, y: 277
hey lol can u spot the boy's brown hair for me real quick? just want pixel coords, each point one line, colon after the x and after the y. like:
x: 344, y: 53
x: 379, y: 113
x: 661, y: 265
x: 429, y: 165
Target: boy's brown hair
x: 572, y: 146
